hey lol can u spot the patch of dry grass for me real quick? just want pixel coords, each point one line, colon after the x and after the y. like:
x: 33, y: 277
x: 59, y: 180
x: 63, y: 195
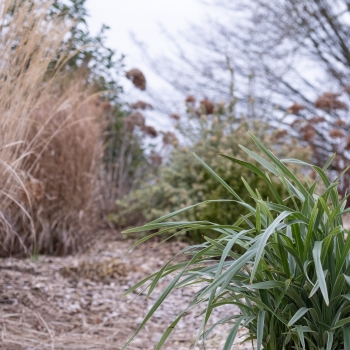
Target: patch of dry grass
x: 50, y: 148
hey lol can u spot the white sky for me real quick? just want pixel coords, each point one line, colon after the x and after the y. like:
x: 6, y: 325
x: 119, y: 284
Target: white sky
x: 143, y: 18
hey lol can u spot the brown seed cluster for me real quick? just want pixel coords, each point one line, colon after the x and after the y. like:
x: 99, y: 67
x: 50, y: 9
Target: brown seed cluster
x: 340, y: 122
x: 295, y: 108
x: 336, y: 133
x: 150, y: 131
x: 207, y: 106
x: 134, y: 119
x: 175, y: 116
x: 190, y: 99
x: 141, y: 105
x: 137, y: 119
x: 137, y: 78
x: 328, y: 101
x: 308, y: 132
x: 317, y: 119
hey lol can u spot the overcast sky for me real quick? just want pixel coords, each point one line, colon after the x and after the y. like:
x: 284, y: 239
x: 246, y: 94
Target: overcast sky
x: 143, y: 18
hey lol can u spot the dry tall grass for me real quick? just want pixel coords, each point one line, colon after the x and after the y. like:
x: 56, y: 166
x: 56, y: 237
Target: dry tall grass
x: 50, y: 149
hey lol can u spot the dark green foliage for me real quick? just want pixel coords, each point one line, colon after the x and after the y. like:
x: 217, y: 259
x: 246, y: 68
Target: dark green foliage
x: 181, y: 182
x: 291, y: 279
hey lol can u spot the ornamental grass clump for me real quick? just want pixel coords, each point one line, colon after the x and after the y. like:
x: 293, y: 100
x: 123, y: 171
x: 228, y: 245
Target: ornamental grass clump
x: 291, y: 279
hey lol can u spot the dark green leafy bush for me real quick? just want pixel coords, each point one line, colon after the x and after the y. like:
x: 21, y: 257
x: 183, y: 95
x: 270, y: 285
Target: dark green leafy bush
x: 182, y: 182
x: 291, y: 281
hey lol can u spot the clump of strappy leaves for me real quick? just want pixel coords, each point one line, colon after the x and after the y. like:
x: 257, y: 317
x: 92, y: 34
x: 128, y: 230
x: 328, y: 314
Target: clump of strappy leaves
x: 292, y: 280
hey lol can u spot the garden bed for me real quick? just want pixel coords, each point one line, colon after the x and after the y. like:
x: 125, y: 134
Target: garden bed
x: 74, y: 302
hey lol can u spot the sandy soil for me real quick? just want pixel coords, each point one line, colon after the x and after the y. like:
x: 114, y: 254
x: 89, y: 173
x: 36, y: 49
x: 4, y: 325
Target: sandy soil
x: 75, y: 302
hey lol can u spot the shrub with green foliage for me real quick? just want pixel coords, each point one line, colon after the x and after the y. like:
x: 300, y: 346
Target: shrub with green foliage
x: 181, y: 182
x: 291, y: 281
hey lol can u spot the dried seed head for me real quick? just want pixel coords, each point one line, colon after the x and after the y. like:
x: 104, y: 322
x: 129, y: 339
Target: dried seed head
x: 134, y: 119
x: 332, y: 95
x: 329, y: 100
x: 316, y: 120
x: 207, y: 106
x: 137, y: 78
x: 150, y: 131
x: 336, y: 133
x: 190, y: 99
x: 340, y: 122
x: 141, y: 105
x: 295, y: 108
x: 175, y: 116
x: 308, y: 132
x: 138, y: 119
x: 169, y: 138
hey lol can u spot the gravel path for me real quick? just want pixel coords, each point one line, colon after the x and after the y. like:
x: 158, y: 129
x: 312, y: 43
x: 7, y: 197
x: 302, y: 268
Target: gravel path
x: 74, y: 302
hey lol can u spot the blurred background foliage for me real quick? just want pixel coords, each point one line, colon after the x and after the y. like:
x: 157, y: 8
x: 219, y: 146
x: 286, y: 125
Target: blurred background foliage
x: 231, y: 81
x: 209, y: 130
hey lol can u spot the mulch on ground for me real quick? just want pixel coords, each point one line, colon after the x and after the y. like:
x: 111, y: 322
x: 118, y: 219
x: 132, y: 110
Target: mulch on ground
x: 75, y: 302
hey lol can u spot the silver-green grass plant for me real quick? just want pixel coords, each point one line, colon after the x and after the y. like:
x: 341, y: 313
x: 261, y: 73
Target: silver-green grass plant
x: 291, y: 282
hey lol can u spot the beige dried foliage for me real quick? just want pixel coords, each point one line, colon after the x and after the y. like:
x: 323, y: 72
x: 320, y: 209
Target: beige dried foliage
x: 50, y: 150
